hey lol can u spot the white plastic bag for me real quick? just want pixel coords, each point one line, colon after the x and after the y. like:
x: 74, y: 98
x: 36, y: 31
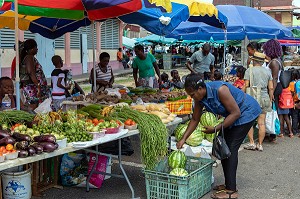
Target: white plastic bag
x: 272, y: 122
x: 44, y: 107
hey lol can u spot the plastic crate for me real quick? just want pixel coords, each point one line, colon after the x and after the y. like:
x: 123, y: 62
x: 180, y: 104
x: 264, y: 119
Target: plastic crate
x: 180, y: 107
x: 160, y: 184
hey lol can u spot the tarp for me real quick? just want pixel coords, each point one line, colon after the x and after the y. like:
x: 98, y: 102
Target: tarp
x: 157, y: 39
x: 128, y: 42
x: 242, y: 21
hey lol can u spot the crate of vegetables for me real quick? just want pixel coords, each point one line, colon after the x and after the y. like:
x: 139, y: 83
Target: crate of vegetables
x: 192, y: 181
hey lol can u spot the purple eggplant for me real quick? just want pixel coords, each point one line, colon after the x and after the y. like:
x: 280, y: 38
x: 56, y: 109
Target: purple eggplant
x: 4, y: 134
x: 23, y: 154
x: 21, y: 137
x: 48, y: 146
x: 23, y: 145
x: 38, y: 148
x: 7, y: 140
x: 31, y: 151
x: 45, y: 138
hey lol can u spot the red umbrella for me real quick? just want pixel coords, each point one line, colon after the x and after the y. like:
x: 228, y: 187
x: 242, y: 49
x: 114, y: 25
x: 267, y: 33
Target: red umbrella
x: 75, y: 9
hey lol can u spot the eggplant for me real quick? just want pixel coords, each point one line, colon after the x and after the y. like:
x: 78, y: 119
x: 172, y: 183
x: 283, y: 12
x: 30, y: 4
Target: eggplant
x: 4, y: 134
x: 45, y: 138
x: 31, y: 151
x: 56, y: 145
x: 21, y: 137
x: 23, y: 145
x: 7, y: 140
x: 23, y: 154
x: 48, y: 146
x: 38, y: 148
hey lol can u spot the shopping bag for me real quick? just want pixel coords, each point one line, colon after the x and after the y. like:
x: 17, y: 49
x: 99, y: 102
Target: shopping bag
x: 220, y: 149
x: 272, y: 121
x: 44, y: 107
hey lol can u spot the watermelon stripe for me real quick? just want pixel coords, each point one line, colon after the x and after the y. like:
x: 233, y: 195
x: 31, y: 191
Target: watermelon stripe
x: 55, y: 4
x: 52, y: 13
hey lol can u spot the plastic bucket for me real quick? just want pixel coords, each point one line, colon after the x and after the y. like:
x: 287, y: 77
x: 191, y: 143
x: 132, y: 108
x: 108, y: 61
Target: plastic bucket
x: 16, y: 185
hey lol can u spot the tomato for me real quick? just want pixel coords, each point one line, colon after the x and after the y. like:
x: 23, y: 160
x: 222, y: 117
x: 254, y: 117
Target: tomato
x: 127, y: 122
x: 1, y: 154
x: 2, y: 148
x: 4, y: 151
x: 13, y: 151
x: 9, y: 147
x: 118, y: 122
x: 132, y: 123
x: 101, y: 120
x: 95, y: 120
x: 89, y: 121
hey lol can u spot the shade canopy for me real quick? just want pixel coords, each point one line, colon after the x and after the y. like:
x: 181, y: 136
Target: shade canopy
x: 158, y: 22
x: 78, y: 9
x: 243, y: 22
x: 156, y: 39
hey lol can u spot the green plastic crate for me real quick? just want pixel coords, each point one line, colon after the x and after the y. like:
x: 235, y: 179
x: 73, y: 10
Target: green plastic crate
x: 161, y: 185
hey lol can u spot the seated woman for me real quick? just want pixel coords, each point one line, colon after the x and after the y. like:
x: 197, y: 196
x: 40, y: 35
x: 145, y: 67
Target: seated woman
x: 104, y: 74
x: 176, y: 81
x: 165, y: 83
x: 144, y: 65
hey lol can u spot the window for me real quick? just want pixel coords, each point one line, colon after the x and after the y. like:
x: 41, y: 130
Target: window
x: 59, y: 43
x: 110, y: 34
x: 7, y: 38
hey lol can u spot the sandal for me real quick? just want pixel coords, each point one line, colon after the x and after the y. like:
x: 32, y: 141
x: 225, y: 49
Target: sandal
x: 225, y: 194
x: 291, y: 135
x: 219, y: 187
x: 280, y: 135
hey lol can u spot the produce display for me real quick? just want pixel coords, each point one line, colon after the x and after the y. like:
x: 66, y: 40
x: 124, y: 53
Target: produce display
x: 153, y: 134
x: 196, y: 138
x: 177, y: 159
x: 159, y: 110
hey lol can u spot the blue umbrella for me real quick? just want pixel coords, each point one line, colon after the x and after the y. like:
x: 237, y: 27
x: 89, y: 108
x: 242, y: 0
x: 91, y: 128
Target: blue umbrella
x: 157, y: 39
x: 156, y: 21
x: 161, y: 23
x: 242, y: 21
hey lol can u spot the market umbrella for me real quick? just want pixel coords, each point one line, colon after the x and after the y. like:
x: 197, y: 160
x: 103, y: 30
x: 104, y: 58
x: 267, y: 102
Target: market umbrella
x: 243, y: 22
x: 78, y: 9
x: 156, y: 39
x: 128, y: 42
x: 164, y: 5
x: 161, y: 23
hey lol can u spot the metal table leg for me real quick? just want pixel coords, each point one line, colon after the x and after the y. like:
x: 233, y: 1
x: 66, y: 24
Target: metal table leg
x: 91, y: 172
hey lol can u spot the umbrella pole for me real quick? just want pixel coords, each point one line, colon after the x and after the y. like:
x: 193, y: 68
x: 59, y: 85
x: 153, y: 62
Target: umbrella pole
x: 17, y: 55
x: 94, y: 69
x: 225, y: 44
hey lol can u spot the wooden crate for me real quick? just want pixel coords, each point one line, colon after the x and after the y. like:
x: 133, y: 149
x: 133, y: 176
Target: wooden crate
x: 45, y: 175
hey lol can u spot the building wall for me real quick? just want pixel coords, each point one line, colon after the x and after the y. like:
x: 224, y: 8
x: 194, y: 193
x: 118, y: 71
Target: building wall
x: 263, y: 3
x: 286, y: 18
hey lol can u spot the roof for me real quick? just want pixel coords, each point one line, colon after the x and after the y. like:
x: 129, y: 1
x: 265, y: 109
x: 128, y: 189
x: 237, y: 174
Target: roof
x: 279, y: 8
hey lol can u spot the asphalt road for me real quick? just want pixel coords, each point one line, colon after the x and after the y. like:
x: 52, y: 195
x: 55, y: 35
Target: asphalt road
x: 271, y: 174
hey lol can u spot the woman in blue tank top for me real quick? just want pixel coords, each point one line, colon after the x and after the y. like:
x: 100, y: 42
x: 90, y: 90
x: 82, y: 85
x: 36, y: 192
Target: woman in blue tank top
x: 240, y: 111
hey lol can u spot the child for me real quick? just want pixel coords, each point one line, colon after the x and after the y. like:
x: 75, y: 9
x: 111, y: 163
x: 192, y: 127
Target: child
x: 166, y: 84
x: 218, y: 76
x: 176, y: 81
x: 295, y: 111
x: 58, y: 83
x: 7, y: 87
x: 240, y: 73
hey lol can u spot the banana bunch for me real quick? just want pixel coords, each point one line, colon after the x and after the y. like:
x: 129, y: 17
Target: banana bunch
x: 54, y: 116
x: 107, y: 110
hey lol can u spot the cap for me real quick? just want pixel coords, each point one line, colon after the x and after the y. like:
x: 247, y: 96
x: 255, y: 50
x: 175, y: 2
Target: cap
x: 259, y: 57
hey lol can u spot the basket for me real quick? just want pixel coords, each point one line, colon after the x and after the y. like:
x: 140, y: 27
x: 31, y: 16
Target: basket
x: 160, y: 184
x: 180, y: 107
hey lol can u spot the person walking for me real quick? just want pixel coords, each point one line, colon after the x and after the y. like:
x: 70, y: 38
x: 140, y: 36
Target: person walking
x: 262, y: 78
x: 240, y: 111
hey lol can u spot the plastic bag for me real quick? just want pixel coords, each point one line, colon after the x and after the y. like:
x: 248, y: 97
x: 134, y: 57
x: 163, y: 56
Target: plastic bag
x: 44, y: 107
x: 272, y: 122
x: 97, y: 179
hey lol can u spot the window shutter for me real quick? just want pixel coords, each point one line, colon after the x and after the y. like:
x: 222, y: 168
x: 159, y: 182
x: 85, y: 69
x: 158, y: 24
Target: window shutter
x: 28, y: 35
x: 7, y: 38
x: 110, y: 34
x: 59, y: 43
x: 75, y: 39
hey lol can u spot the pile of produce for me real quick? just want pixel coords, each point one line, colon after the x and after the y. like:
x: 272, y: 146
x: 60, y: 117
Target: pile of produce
x: 177, y: 161
x: 11, y: 117
x: 159, y: 110
x: 153, y: 134
x: 102, y: 97
x: 195, y: 139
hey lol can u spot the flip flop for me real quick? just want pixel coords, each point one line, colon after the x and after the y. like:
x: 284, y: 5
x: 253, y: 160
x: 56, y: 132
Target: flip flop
x: 225, y: 194
x: 219, y: 187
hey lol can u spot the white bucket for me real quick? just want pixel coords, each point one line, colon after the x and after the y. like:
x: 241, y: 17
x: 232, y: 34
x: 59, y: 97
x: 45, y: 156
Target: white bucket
x: 16, y: 185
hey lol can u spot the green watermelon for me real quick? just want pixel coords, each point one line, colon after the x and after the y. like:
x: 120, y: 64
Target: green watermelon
x: 210, y: 137
x: 196, y: 137
x: 179, y: 172
x: 208, y: 119
x: 177, y: 159
x: 180, y: 130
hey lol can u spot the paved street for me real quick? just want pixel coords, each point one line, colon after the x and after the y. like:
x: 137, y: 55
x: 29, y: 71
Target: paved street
x: 271, y: 174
